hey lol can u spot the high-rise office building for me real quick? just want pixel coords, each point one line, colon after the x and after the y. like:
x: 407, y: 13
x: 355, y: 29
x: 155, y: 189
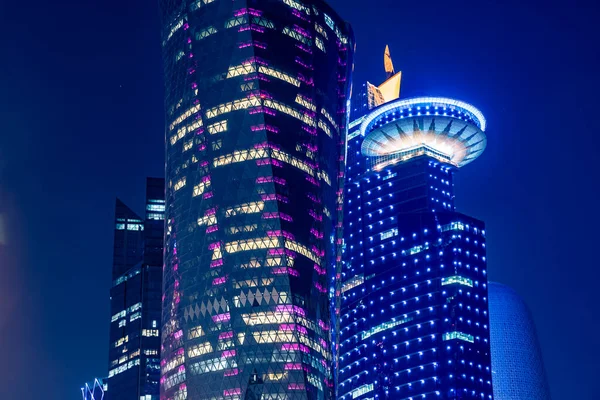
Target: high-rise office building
x: 414, y: 315
x: 135, y: 299
x: 95, y: 390
x: 256, y: 94
x: 517, y: 364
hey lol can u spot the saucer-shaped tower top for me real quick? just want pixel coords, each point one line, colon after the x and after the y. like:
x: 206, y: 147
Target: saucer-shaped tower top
x: 449, y: 130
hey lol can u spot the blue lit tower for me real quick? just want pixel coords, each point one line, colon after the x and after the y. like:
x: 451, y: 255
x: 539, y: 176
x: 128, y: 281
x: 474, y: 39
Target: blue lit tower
x: 255, y: 98
x: 517, y: 363
x: 414, y: 315
x: 135, y: 299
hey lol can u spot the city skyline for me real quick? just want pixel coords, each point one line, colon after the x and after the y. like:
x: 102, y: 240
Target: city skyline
x: 135, y: 298
x: 63, y: 166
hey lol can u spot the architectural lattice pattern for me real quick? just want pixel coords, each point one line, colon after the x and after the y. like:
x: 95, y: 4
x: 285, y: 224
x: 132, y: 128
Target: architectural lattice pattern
x: 517, y: 364
x: 255, y: 98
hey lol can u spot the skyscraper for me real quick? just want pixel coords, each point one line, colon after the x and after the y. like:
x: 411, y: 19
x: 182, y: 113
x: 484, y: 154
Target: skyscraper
x: 256, y: 94
x: 517, y: 364
x: 414, y: 316
x: 135, y: 299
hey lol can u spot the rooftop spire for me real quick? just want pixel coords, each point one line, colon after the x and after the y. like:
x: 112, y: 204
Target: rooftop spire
x: 387, y: 62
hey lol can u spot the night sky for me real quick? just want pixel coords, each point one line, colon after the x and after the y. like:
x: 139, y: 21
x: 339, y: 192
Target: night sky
x: 81, y: 122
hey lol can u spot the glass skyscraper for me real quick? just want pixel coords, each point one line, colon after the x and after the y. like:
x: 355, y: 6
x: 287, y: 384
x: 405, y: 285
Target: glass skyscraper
x: 517, y: 364
x: 414, y: 315
x: 135, y: 299
x: 256, y: 96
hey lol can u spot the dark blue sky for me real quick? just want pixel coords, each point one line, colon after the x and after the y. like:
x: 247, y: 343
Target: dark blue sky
x: 81, y: 121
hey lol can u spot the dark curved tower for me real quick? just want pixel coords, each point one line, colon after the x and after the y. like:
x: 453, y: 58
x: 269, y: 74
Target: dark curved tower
x: 517, y: 363
x: 256, y: 94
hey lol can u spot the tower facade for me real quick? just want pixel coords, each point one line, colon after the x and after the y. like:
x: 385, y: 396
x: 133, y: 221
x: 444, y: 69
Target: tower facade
x: 135, y: 299
x: 517, y: 364
x: 414, y: 315
x: 256, y: 95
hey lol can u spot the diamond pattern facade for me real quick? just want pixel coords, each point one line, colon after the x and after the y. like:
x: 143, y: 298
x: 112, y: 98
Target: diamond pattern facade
x: 255, y: 133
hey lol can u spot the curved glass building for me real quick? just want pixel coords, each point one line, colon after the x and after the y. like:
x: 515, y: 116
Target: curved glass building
x: 517, y: 364
x: 414, y: 315
x: 256, y: 94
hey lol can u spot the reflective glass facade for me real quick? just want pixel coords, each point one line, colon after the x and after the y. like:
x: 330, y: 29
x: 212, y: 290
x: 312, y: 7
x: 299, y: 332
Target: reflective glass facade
x: 414, y: 316
x: 135, y: 299
x: 256, y: 95
x: 517, y: 364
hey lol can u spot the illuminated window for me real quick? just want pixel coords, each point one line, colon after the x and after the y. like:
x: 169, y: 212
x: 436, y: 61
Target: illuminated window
x: 175, y: 28
x: 276, y: 376
x: 457, y: 279
x: 173, y: 363
x: 260, y: 21
x: 267, y: 317
x: 243, y: 69
x: 454, y: 226
x: 389, y: 176
x: 290, y: 111
x: 123, y: 368
x: 199, y: 3
x: 150, y: 332
x: 353, y: 282
x: 322, y: 31
x: 181, y: 132
x: 204, y: 33
x: 359, y: 391
x: 342, y: 38
x: 188, y: 145
x: 179, y: 55
x: 167, y: 382
x: 122, y: 341
x: 301, y: 249
x: 180, y: 184
x: 320, y: 44
x: 297, y: 5
x: 243, y: 228
x: 217, y: 127
x: 212, y: 365
x: 460, y: 336
x: 134, y: 316
x: 305, y: 102
x: 236, y: 21
x: 388, y: 234
x: 200, y: 188
x: 155, y: 207
x: 189, y: 112
x: 199, y: 349
x: 383, y: 327
x: 241, y: 104
x: 195, y: 332
x: 325, y: 128
x: 274, y: 337
x: 299, y: 37
x: 246, y: 208
x: 329, y: 118
x: 252, y: 244
x: 207, y: 220
x: 279, y: 75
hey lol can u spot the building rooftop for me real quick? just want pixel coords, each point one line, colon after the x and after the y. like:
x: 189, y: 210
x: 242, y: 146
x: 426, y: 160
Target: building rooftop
x: 446, y: 129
